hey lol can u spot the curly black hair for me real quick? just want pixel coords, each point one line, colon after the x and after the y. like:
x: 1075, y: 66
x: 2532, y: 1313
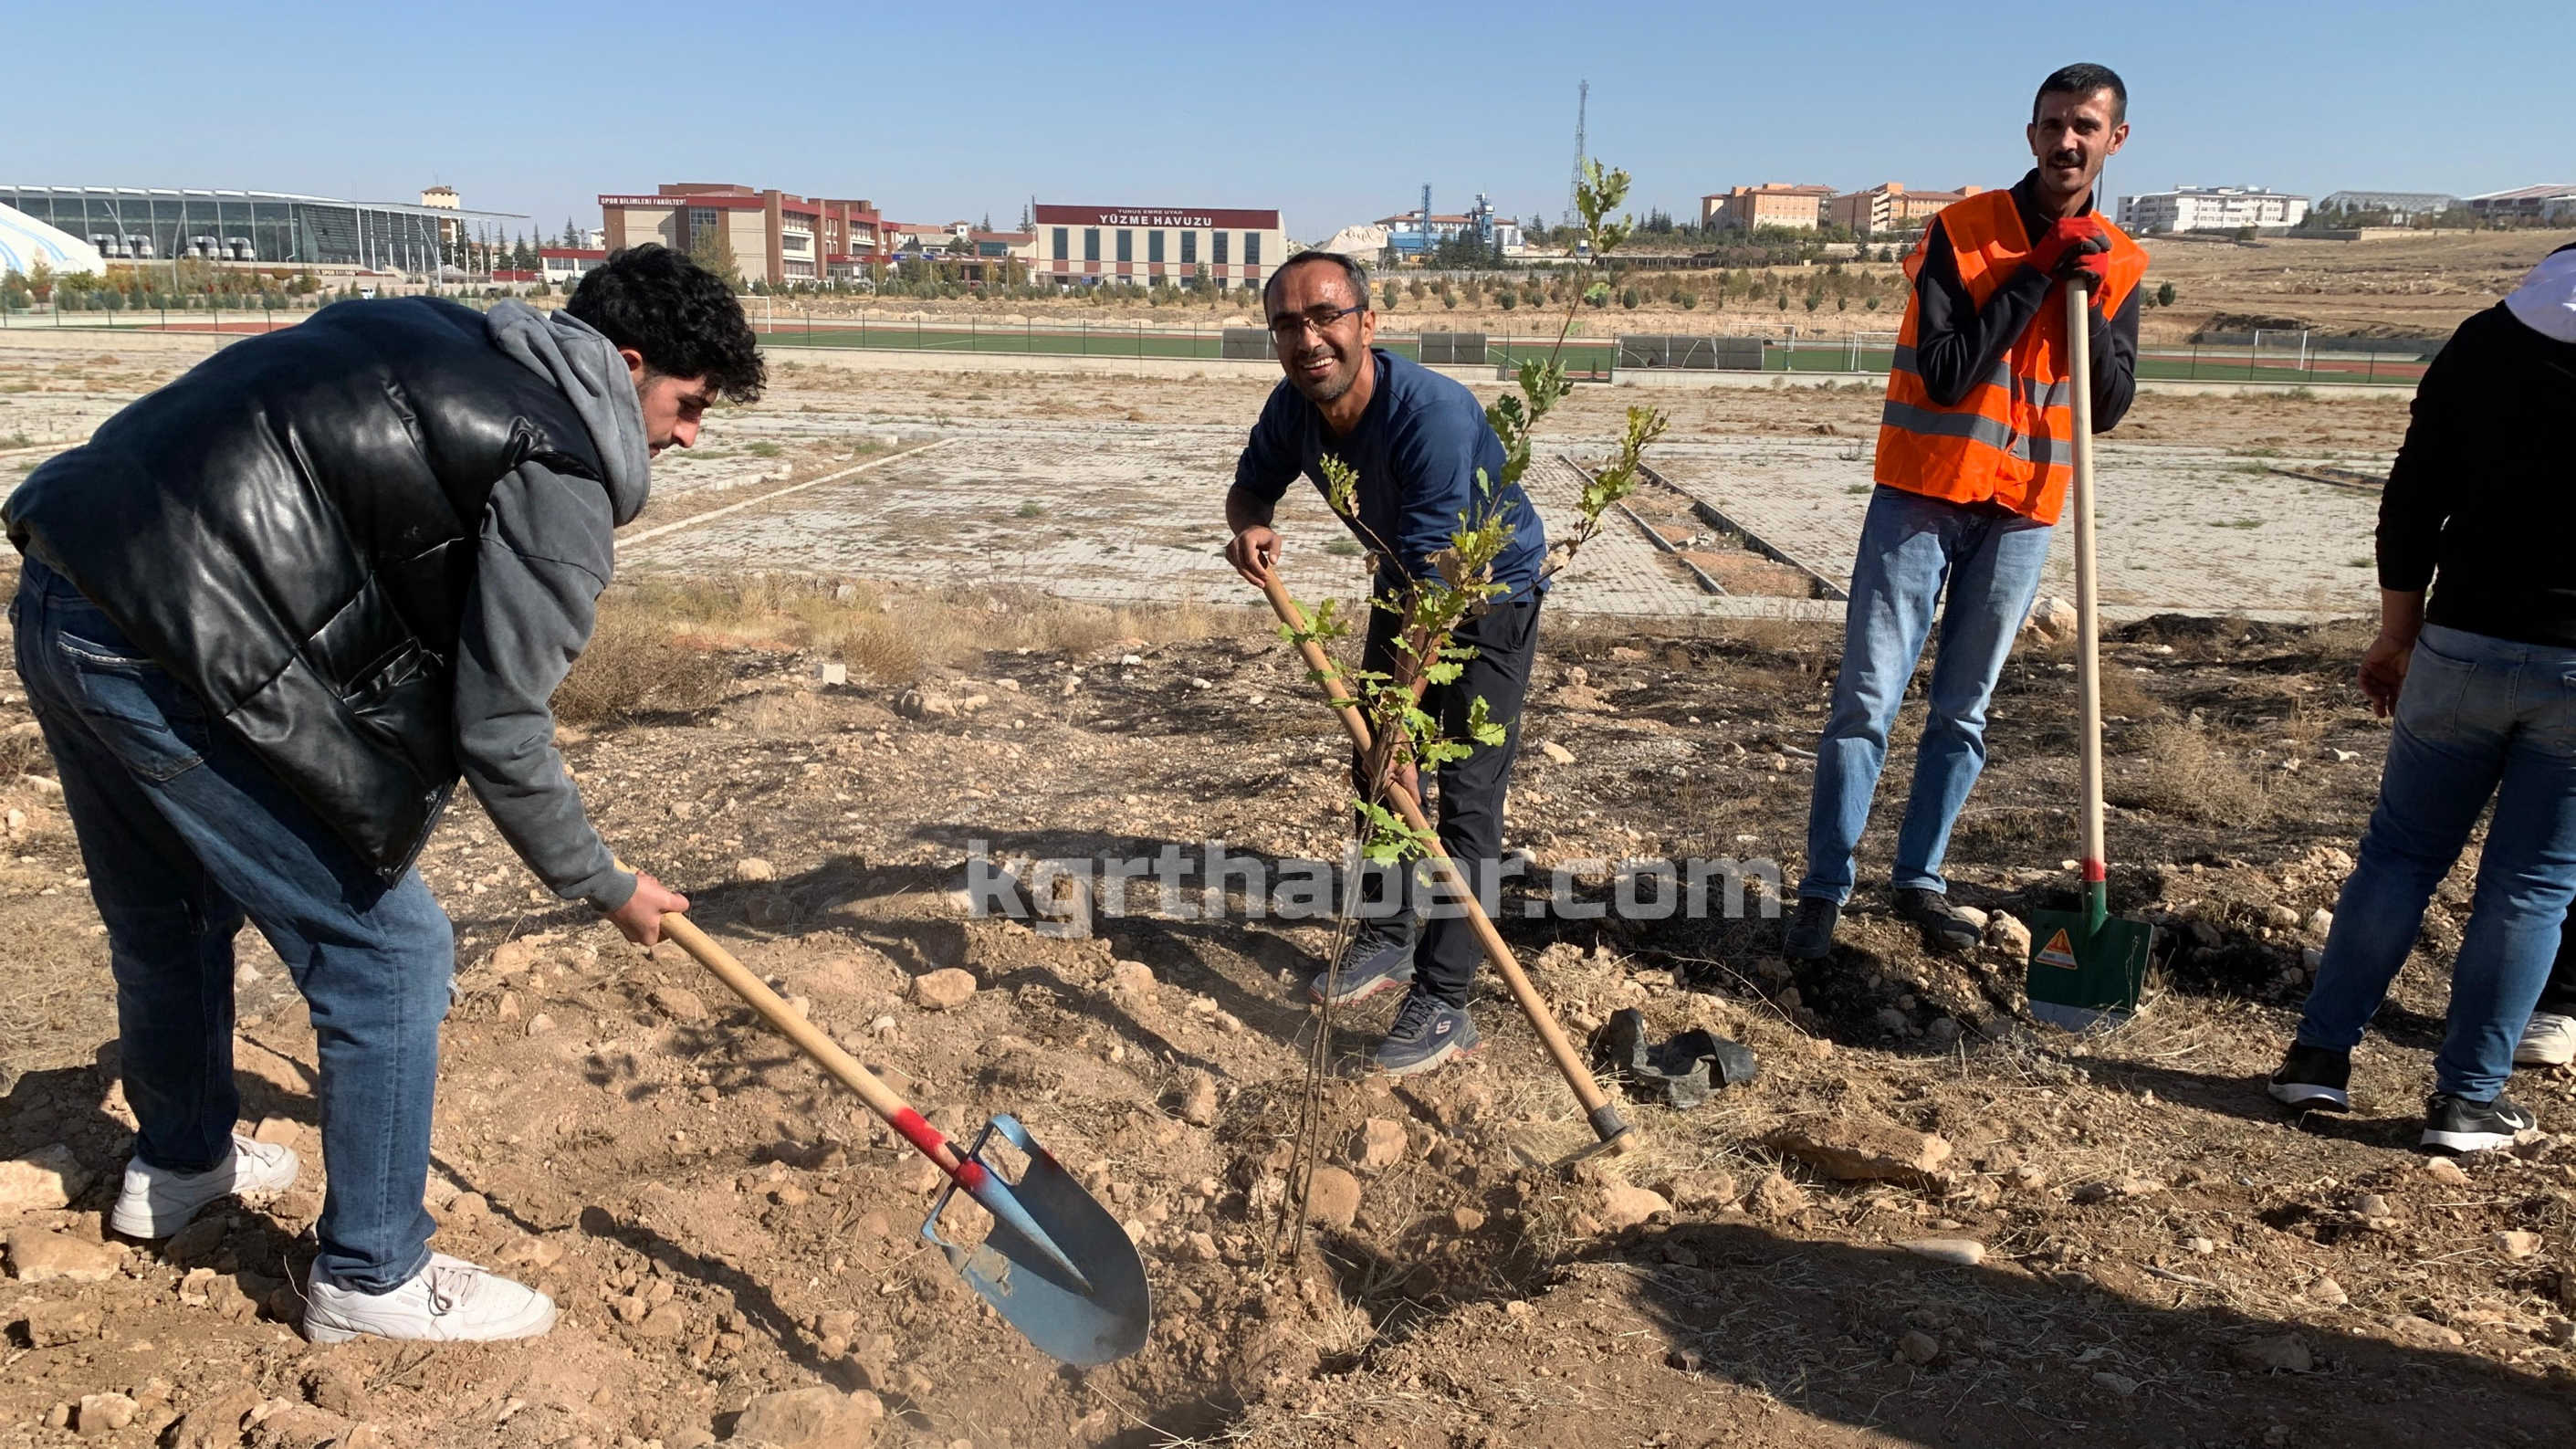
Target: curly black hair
x: 682, y: 317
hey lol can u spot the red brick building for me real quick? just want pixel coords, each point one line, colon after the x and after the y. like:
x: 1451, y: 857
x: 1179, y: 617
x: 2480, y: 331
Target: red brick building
x: 776, y: 237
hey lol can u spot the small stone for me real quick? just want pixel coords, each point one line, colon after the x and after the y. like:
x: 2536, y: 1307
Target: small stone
x: 1776, y: 1197
x: 2279, y: 1353
x: 754, y: 868
x: 2200, y: 1247
x: 1466, y: 1219
x: 810, y: 1418
x: 38, y: 1256
x: 663, y: 1322
x: 2120, y: 1384
x: 2446, y: 1172
x: 1863, y: 1150
x: 1624, y: 1206
x: 42, y: 1181
x: 1966, y: 1252
x: 1379, y: 1145
x: 679, y: 1003
x: 1917, y: 1347
x: 1685, y: 1359
x: 2136, y: 1186
x: 2374, y: 1205
x: 2320, y: 922
x: 2281, y: 918
x: 540, y: 1024
x: 2007, y: 934
x: 1332, y: 1197
x: 2517, y: 1243
x: 2027, y: 1177
x: 2424, y: 1332
x: 216, y: 1423
x: 2053, y: 620
x: 1131, y: 977
x: 1199, y: 1247
x: 1556, y: 752
x: 103, y: 1413
x: 1199, y: 1105
x: 51, y: 1325
x: 831, y: 672
x: 2328, y: 1292
x: 942, y: 990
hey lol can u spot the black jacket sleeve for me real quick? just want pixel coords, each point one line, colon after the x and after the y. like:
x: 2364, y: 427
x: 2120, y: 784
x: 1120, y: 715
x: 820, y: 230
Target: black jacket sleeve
x: 2115, y: 363
x: 1956, y: 343
x: 2423, y: 487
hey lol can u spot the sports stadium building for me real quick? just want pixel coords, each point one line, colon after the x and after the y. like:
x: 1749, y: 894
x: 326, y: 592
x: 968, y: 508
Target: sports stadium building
x: 131, y: 224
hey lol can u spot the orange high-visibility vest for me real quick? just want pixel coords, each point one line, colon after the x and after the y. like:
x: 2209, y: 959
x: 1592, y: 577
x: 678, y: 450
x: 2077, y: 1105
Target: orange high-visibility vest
x: 2010, y: 440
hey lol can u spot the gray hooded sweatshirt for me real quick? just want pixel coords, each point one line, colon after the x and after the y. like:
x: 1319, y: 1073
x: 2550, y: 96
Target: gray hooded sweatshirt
x: 548, y: 549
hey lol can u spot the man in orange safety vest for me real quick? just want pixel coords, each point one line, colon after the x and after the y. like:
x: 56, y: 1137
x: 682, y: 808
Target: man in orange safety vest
x: 1975, y: 454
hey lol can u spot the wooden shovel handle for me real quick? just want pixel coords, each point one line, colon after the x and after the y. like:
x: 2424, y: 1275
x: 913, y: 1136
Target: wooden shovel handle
x: 1604, y: 1116
x: 2088, y: 624
x: 809, y: 1038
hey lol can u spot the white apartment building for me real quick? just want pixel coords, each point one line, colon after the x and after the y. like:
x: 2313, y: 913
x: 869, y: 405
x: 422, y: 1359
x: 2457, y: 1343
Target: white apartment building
x: 2210, y: 208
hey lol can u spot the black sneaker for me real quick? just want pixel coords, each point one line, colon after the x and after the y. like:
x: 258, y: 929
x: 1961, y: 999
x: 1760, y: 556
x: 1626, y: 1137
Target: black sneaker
x: 1427, y: 1033
x: 1944, y: 929
x: 2314, y: 1079
x: 1374, y: 961
x: 2456, y: 1124
x: 1811, y: 932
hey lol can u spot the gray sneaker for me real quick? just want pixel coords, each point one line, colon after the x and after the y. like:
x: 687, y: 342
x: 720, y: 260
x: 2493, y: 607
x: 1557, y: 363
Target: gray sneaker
x: 448, y: 1300
x: 1374, y: 961
x: 155, y: 1202
x: 1428, y: 1032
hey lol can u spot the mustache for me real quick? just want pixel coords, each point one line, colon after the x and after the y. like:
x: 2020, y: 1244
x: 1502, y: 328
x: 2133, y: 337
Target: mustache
x: 2065, y: 158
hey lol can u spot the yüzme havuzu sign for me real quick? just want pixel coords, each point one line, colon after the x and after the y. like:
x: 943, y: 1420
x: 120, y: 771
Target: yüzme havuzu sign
x: 1172, y: 218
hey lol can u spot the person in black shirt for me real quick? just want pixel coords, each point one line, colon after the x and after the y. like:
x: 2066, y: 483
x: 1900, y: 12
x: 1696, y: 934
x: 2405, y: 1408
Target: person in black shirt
x: 2480, y: 506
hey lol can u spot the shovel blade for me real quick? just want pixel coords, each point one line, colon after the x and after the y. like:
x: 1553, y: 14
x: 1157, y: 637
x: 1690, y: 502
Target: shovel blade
x: 1076, y: 1324
x: 2085, y: 977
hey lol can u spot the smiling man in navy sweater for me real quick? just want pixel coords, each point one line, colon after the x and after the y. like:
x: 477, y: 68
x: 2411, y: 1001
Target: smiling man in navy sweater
x: 1418, y: 441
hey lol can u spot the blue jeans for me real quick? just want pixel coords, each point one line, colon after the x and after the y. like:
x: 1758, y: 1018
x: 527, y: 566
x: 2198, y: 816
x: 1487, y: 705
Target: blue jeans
x: 1912, y: 549
x: 184, y: 833
x: 2479, y: 717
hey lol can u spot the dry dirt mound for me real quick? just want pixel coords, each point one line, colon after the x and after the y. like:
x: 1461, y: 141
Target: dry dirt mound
x: 2136, y: 1252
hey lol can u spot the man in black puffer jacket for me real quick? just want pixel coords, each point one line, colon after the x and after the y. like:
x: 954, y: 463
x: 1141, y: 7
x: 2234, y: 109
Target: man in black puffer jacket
x: 268, y: 615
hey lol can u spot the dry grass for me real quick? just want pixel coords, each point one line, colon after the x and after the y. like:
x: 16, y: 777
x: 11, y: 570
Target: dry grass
x: 2176, y: 770
x: 894, y: 637
x: 633, y: 668
x: 2124, y: 697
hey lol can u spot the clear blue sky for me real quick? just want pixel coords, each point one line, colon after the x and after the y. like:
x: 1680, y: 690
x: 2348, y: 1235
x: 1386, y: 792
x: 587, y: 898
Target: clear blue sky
x: 946, y: 110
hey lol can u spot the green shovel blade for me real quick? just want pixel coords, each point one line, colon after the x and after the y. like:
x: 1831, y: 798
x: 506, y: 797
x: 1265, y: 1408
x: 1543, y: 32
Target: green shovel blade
x: 2087, y: 969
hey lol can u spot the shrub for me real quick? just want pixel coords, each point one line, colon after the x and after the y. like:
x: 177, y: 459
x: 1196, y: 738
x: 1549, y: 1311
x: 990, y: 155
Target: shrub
x: 1689, y: 301
x: 1628, y: 298
x: 1597, y: 295
x: 631, y: 669
x: 2165, y: 295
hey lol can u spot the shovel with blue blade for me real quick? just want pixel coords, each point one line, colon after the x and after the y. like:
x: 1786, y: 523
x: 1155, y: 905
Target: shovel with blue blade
x: 2087, y: 966
x: 1053, y: 1263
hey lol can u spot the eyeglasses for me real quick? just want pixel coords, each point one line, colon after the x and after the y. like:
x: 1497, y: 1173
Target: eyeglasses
x: 1290, y: 326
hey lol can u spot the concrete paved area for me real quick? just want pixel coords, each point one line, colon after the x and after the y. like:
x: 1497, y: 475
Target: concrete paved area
x: 1129, y: 513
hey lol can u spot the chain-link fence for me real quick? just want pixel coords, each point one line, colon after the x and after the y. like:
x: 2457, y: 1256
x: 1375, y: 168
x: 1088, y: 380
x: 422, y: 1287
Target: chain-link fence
x: 2273, y: 357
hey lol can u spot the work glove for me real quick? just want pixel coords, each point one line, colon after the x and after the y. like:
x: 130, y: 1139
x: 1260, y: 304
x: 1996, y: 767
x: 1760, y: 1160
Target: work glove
x: 2074, y: 243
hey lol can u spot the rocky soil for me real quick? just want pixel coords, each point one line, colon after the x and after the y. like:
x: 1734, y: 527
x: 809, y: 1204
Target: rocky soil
x: 1926, y: 1221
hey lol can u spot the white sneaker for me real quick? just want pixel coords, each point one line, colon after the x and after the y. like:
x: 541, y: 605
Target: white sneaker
x: 155, y: 1202
x: 450, y: 1300
x: 2550, y: 1041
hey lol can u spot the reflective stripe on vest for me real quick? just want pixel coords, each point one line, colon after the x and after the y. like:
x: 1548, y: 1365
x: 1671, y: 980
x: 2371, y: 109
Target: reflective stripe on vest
x: 2009, y: 440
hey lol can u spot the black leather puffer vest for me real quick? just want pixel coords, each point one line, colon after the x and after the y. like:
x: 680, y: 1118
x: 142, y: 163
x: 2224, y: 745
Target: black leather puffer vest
x: 290, y: 530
